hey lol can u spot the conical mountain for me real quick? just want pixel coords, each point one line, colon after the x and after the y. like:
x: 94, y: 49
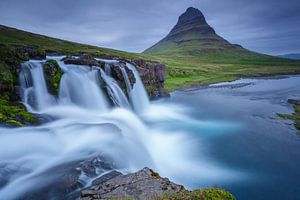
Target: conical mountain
x: 193, y: 35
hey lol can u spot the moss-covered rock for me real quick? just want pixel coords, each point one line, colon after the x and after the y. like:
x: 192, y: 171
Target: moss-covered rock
x: 9, y: 65
x: 15, y: 114
x: 53, y: 74
x: 6, y: 81
x: 11, y: 112
x: 206, y: 194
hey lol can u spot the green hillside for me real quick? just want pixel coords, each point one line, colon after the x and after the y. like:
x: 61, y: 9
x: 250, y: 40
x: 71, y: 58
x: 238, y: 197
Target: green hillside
x: 14, y: 37
x: 195, y: 54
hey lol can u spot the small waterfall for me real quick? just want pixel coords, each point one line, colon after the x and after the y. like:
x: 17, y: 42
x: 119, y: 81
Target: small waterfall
x: 117, y: 95
x: 107, y: 69
x: 137, y: 94
x: 34, y: 91
x: 80, y: 86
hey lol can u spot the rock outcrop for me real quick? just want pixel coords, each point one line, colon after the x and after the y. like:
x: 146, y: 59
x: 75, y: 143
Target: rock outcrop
x: 31, y: 52
x: 12, y: 113
x: 153, y: 75
x: 144, y: 184
x: 83, y: 60
x: 53, y: 74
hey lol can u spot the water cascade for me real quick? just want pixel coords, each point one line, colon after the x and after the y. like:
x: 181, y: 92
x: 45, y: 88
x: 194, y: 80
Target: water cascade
x: 34, y: 92
x: 86, y: 126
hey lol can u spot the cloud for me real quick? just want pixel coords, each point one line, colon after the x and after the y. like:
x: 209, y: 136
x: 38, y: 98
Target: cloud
x: 267, y: 26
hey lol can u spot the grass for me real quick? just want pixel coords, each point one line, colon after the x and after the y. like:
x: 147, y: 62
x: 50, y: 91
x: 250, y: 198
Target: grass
x: 206, y: 194
x: 294, y: 117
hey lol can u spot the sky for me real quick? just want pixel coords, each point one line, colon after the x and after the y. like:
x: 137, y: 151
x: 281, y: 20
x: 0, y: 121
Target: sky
x: 266, y: 26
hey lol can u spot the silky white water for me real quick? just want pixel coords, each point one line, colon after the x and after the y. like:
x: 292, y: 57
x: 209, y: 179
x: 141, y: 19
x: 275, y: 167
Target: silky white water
x: 85, y: 125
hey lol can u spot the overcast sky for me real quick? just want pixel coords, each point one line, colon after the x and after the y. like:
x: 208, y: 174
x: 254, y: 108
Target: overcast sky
x: 267, y: 26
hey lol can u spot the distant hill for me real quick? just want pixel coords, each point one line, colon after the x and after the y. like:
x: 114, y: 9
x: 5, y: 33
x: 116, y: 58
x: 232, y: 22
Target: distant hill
x: 295, y: 56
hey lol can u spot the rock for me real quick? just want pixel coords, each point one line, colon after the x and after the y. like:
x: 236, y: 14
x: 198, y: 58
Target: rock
x: 153, y: 75
x: 67, y: 180
x: 294, y: 102
x: 31, y: 52
x: 117, y: 73
x: 83, y: 60
x: 144, y: 184
x: 106, y: 177
x: 53, y: 74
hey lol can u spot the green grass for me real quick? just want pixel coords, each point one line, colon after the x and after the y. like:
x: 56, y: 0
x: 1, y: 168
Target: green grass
x: 206, y: 194
x: 294, y: 117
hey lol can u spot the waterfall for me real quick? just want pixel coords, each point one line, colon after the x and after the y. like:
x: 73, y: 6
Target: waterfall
x: 107, y: 69
x: 138, y: 94
x: 34, y: 91
x: 117, y: 95
x: 79, y: 85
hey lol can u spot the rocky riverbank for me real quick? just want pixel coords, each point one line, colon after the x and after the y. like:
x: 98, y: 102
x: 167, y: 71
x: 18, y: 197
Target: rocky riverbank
x: 296, y: 115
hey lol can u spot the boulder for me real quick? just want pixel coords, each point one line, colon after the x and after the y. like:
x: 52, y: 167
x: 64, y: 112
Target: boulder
x: 144, y: 184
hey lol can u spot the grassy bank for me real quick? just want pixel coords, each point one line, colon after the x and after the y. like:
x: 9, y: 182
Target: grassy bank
x: 184, y: 70
x: 295, y: 117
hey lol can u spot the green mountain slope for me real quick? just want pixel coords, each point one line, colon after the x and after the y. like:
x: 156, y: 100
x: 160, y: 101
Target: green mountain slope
x: 194, y: 53
x: 14, y: 37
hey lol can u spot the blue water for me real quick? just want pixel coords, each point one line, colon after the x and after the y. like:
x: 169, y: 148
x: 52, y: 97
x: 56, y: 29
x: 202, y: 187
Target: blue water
x: 240, y: 130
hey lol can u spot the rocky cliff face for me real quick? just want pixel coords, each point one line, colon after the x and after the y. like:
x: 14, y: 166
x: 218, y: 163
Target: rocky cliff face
x: 191, y: 20
x: 153, y: 75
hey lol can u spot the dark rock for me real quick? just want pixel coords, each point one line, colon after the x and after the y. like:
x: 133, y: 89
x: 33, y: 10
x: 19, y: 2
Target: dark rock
x: 144, y: 184
x: 64, y: 181
x: 117, y: 73
x: 31, y: 52
x: 83, y: 60
x: 106, y: 177
x: 153, y: 75
x: 294, y: 102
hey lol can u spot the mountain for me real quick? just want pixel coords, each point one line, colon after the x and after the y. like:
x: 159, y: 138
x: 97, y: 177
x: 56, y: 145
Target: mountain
x: 295, y: 56
x: 196, y: 54
x: 193, y: 35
